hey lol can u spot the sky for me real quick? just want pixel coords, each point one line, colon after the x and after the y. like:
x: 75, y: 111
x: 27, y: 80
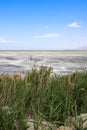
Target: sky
x: 43, y: 24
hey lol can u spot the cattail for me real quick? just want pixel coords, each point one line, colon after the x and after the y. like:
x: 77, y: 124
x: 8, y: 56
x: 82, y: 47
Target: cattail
x: 1, y: 76
x: 16, y: 76
x: 72, y: 85
x: 30, y: 58
x: 0, y: 97
x: 7, y: 76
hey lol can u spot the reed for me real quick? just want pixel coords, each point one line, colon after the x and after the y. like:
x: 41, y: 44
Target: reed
x: 41, y: 96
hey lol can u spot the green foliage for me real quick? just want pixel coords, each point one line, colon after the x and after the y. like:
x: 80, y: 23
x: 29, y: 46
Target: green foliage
x: 41, y: 95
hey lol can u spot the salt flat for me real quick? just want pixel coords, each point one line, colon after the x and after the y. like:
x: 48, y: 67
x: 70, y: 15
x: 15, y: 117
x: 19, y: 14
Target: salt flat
x: 62, y: 61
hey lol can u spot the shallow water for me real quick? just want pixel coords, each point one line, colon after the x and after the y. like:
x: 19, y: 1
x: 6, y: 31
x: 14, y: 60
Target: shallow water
x: 63, y: 62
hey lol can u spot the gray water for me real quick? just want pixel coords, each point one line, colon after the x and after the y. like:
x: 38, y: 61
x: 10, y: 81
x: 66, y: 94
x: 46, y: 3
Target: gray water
x: 63, y: 62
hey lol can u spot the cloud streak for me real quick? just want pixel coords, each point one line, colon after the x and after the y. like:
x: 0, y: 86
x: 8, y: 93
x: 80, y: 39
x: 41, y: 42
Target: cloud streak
x: 3, y: 40
x: 74, y: 25
x: 48, y: 35
x: 6, y: 41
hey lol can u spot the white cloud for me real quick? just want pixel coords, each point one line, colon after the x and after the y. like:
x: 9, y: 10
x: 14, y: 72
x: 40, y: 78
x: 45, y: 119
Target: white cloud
x: 6, y: 41
x: 48, y: 35
x: 2, y: 40
x: 74, y: 25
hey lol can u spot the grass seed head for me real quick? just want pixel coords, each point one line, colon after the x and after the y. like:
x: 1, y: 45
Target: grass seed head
x: 16, y: 76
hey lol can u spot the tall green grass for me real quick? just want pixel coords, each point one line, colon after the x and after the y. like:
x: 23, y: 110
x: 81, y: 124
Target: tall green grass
x: 41, y: 95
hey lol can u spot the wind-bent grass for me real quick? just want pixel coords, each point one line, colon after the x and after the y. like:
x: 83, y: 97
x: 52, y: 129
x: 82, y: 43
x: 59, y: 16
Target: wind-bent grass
x: 42, y: 96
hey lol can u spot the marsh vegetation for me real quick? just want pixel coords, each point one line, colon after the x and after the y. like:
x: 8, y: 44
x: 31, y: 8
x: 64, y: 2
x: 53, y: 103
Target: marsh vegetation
x: 41, y: 96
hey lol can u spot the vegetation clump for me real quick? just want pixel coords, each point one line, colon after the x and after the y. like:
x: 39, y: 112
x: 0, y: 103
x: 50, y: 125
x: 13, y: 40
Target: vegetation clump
x: 41, y: 95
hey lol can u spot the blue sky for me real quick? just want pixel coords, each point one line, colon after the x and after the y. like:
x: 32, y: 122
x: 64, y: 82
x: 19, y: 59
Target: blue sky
x: 43, y: 24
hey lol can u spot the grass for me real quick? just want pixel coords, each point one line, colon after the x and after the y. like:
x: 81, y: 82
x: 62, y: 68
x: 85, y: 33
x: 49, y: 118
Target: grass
x: 41, y: 96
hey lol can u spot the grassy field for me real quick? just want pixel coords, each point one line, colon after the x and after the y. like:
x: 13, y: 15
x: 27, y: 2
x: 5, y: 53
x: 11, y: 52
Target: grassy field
x: 41, y: 95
